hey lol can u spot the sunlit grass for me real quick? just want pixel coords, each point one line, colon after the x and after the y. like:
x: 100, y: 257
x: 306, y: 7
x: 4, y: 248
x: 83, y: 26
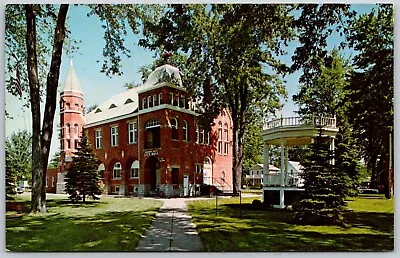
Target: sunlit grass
x: 110, y: 224
x: 234, y: 227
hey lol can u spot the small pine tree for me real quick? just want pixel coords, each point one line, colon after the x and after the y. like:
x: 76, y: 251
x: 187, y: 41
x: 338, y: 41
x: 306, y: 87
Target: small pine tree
x: 325, y: 186
x: 10, y: 178
x: 83, y: 178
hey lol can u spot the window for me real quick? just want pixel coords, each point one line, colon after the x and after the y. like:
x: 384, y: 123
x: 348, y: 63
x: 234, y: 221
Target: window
x: 149, y: 101
x: 152, y: 134
x: 101, y: 170
x: 201, y: 136
x: 226, y: 143
x: 143, y: 103
x: 128, y: 101
x: 183, y: 102
x: 52, y: 181
x: 220, y: 137
x: 159, y: 98
x: 117, y: 171
x: 174, y: 125
x: 76, y: 107
x: 47, y: 184
x: 114, y: 136
x: 117, y: 188
x: 226, y: 148
x: 154, y: 100
x: 197, y: 134
x: 199, y: 168
x: 76, y: 128
x: 67, y: 129
x: 98, y: 139
x: 223, y: 175
x: 172, y: 98
x: 68, y: 144
x: 208, y: 138
x: 68, y: 106
x: 185, y: 131
x: 112, y: 106
x: 132, y: 132
x: 135, y: 169
x: 175, y: 175
x: 76, y: 143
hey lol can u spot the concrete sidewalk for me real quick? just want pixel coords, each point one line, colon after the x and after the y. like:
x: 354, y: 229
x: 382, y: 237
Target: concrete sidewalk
x: 172, y: 230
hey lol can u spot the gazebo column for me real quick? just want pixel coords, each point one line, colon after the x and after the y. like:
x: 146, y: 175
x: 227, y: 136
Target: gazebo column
x: 333, y: 149
x: 266, y: 164
x: 281, y: 191
x: 286, y: 165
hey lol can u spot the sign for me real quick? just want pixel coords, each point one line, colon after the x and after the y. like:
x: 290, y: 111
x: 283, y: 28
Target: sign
x: 149, y: 153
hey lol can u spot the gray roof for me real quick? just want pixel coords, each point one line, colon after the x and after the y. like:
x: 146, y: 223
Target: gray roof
x: 72, y: 82
x: 127, y: 102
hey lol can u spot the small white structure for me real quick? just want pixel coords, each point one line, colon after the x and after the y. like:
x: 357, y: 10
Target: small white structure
x: 285, y: 132
x: 256, y: 174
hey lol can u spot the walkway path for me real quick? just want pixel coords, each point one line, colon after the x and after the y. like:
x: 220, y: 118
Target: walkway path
x: 172, y: 230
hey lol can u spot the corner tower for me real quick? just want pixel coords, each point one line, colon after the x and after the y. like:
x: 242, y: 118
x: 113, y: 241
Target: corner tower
x: 71, y: 115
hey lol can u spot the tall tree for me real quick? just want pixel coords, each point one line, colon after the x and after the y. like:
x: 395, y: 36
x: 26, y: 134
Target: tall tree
x: 325, y: 187
x: 231, y: 51
x: 11, y: 178
x: 83, y: 178
x: 371, y: 88
x: 35, y: 36
x: 18, y: 147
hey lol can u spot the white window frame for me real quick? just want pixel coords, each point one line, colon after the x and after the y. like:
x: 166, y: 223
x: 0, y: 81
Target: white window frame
x: 98, y: 139
x: 117, y: 166
x: 132, y: 129
x: 172, y: 98
x: 143, y: 103
x: 174, y: 128
x: 185, y: 130
x: 154, y: 100
x: 148, y: 101
x: 159, y: 98
x: 135, y: 166
x: 114, y: 136
x: 52, y: 181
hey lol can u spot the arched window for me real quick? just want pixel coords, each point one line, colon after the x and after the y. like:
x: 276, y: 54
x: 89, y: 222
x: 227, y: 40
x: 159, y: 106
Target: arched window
x: 197, y: 134
x: 68, y: 105
x: 117, y: 171
x: 152, y: 123
x: 174, y: 126
x: 223, y: 175
x: 226, y: 143
x: 185, y: 131
x: 152, y: 134
x: 76, y: 128
x: 220, y: 137
x: 76, y: 106
x: 67, y: 129
x: 149, y: 101
x: 101, y: 170
x: 135, y: 169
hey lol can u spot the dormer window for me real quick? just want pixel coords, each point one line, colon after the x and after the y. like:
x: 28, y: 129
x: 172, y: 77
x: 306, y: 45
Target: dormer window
x: 128, y: 101
x: 112, y: 106
x: 98, y: 110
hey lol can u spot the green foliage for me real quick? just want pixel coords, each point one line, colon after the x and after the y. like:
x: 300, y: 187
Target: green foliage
x: 18, y: 147
x: 83, y: 178
x: 11, y: 178
x: 55, y: 160
x: 231, y: 50
x: 326, y: 187
x: 371, y: 91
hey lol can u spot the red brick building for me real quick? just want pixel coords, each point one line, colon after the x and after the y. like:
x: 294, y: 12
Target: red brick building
x: 147, y: 139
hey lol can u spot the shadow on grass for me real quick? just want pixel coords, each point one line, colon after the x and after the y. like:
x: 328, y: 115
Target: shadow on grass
x: 245, y: 228
x: 108, y: 231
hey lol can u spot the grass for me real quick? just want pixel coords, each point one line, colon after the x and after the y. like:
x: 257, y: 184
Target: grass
x: 110, y: 224
x: 244, y: 228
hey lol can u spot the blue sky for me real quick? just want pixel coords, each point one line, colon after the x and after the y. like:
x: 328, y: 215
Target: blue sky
x: 98, y: 87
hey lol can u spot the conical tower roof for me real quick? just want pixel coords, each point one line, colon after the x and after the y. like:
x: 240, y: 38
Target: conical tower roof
x: 72, y: 82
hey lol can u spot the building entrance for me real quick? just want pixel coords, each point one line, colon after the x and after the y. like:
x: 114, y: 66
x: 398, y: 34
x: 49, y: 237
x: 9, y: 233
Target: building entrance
x: 152, y: 168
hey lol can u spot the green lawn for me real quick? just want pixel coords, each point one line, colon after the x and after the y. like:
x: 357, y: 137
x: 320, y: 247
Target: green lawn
x: 110, y: 224
x: 244, y: 228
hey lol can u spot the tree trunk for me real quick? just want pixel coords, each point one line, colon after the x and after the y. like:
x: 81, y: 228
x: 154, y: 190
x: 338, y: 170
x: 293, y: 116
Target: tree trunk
x: 38, y: 202
x: 51, y: 90
x: 41, y: 140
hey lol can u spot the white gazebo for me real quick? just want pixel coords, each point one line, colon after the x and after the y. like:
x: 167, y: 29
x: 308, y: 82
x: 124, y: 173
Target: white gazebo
x: 286, y: 132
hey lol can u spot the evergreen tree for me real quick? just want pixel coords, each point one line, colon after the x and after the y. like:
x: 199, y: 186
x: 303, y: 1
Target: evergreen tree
x: 83, y: 178
x: 325, y: 186
x: 10, y: 178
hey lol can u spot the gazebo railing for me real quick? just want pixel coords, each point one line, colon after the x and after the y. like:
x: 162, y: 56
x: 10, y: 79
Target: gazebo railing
x: 301, y: 121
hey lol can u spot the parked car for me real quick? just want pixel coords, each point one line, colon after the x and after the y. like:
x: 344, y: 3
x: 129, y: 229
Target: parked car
x: 365, y: 189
